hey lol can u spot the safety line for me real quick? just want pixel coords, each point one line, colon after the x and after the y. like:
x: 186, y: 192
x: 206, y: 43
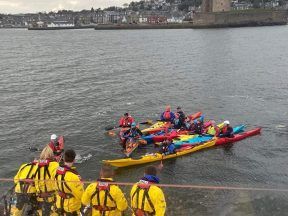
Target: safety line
x: 189, y: 186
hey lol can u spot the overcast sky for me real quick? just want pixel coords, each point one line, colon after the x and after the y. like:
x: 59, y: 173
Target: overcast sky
x: 24, y: 6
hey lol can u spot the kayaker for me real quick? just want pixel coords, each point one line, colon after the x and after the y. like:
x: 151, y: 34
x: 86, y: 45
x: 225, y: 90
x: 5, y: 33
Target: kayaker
x: 198, y: 126
x: 25, y: 190
x: 227, y: 130
x: 176, y: 123
x: 182, y: 116
x: 213, y: 129
x: 133, y: 132
x: 146, y: 197
x: 167, y: 115
x: 69, y: 187
x: 126, y: 120
x: 104, y: 197
x: 54, y: 145
x: 44, y: 180
x: 167, y: 147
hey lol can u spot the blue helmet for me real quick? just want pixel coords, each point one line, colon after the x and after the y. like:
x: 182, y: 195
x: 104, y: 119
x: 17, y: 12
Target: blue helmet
x: 133, y: 124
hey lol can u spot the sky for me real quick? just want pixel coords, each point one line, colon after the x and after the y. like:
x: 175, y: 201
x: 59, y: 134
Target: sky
x: 25, y: 6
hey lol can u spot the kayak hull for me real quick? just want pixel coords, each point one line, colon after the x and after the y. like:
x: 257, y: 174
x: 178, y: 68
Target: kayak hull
x: 197, y: 139
x: 157, y: 157
x: 238, y: 137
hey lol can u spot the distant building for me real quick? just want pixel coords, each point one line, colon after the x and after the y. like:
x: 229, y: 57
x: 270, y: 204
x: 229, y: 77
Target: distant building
x: 155, y: 19
x: 215, y: 5
x: 56, y: 24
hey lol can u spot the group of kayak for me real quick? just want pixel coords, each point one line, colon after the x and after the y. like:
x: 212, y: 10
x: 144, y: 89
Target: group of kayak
x: 175, y: 134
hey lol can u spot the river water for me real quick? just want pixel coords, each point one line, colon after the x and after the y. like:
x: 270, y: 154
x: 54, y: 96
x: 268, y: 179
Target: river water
x: 77, y: 82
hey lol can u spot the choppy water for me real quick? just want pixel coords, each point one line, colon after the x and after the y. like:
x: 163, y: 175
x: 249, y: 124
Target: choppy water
x: 77, y: 82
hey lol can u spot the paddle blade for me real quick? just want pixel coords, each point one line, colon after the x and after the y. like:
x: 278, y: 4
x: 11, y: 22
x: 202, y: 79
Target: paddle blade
x: 111, y: 133
x: 148, y: 122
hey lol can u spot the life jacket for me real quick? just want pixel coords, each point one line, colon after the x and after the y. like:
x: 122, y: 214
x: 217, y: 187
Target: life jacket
x: 28, y: 180
x: 61, y: 185
x: 133, y: 132
x: 103, y: 185
x: 126, y: 122
x: 212, y: 130
x: 145, y: 187
x: 224, y: 129
x: 167, y: 115
x: 43, y: 167
x: 55, y: 147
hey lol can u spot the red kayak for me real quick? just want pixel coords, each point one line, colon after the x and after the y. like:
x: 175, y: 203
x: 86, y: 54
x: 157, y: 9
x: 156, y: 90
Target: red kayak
x: 175, y: 133
x: 236, y: 138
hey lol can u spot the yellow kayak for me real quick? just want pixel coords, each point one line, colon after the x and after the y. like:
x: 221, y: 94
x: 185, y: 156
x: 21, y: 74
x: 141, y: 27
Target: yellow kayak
x: 155, y: 127
x: 156, y: 156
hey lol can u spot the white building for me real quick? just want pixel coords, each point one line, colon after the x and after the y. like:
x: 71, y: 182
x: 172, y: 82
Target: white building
x: 60, y: 24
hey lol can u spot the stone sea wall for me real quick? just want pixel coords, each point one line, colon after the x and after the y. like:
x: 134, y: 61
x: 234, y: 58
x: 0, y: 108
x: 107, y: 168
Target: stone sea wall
x: 240, y: 18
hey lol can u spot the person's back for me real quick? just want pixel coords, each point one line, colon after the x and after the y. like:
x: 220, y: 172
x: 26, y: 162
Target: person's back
x: 146, y: 197
x: 24, y: 187
x: 44, y: 180
x: 213, y: 129
x: 182, y: 117
x: 69, y: 187
x: 104, y: 197
x: 126, y: 120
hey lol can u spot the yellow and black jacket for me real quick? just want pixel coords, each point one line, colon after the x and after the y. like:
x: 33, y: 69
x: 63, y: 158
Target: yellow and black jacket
x: 69, y: 190
x: 147, y: 199
x: 45, y: 180
x: 26, y: 172
x: 105, y: 198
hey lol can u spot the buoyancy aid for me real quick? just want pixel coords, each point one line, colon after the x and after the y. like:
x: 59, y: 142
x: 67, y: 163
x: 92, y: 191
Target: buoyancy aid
x: 62, y: 186
x: 103, y: 185
x: 44, y: 176
x: 126, y: 122
x: 143, y: 186
x: 28, y: 180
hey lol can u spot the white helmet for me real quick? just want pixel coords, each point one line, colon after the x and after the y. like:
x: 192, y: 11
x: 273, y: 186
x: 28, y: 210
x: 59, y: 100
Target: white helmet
x: 53, y: 137
x: 226, y: 122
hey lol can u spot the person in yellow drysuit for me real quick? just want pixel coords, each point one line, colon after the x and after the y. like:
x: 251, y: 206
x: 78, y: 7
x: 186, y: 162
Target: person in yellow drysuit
x: 25, y: 190
x: 146, y: 197
x: 104, y: 197
x: 45, y: 180
x: 69, y: 187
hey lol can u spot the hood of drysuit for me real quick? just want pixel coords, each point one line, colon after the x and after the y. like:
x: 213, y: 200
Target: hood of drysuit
x: 151, y: 178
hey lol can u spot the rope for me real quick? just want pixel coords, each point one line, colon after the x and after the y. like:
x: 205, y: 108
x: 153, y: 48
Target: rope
x: 189, y: 186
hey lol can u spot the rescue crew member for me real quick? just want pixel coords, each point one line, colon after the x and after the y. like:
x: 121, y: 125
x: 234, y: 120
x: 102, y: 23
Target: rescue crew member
x: 227, y: 130
x: 213, y: 129
x: 167, y: 147
x: 25, y: 188
x: 104, y: 197
x: 182, y: 117
x: 133, y: 132
x: 167, y: 115
x: 146, y: 197
x: 126, y: 120
x: 44, y: 180
x: 69, y: 187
